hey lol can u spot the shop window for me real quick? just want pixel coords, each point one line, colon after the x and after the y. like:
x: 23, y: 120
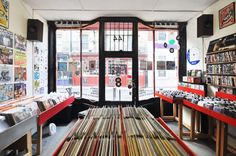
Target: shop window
x: 68, y: 61
x: 166, y: 59
x: 90, y: 64
x: 145, y: 56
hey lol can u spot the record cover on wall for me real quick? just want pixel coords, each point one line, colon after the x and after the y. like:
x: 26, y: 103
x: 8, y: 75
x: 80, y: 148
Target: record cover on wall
x: 6, y: 92
x: 20, y: 59
x: 20, y: 74
x: 6, y: 74
x: 6, y: 38
x: 170, y: 65
x: 4, y: 15
x: 19, y: 90
x: 6, y: 56
x: 20, y: 42
x: 161, y: 65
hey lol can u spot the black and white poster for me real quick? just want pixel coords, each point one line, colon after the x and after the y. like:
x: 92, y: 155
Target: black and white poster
x: 20, y: 42
x: 6, y: 74
x: 6, y: 38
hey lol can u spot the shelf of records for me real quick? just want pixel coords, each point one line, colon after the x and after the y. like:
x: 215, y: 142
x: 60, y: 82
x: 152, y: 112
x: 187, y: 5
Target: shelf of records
x: 228, y: 56
x: 222, y: 69
x: 13, y: 113
x: 121, y: 131
x: 221, y: 81
x: 220, y: 105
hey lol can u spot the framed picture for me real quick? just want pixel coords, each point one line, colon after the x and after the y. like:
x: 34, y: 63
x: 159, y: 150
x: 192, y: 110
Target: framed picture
x: 4, y: 15
x: 227, y: 15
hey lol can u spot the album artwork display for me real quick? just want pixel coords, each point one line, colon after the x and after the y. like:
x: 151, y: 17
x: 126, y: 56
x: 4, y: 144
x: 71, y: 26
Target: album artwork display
x: 19, y: 90
x: 117, y: 131
x: 20, y: 59
x: 6, y: 38
x: 20, y: 42
x: 161, y: 65
x: 6, y: 74
x: 225, y: 57
x: 20, y: 74
x: 6, y: 56
x: 170, y: 65
x: 229, y: 81
x: 6, y: 92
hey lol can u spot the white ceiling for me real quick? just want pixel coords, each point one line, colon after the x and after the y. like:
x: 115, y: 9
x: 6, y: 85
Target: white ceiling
x: 149, y: 10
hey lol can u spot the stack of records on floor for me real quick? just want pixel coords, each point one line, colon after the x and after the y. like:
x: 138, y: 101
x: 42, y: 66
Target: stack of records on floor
x: 120, y: 131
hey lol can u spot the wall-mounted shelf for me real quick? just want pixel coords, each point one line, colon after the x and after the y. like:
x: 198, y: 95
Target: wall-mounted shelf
x: 220, y: 51
x: 215, y: 63
x: 221, y: 74
x: 233, y: 87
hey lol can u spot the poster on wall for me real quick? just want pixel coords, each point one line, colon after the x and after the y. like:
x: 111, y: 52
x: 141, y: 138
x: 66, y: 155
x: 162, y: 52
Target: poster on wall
x: 19, y: 90
x: 20, y: 42
x: 227, y: 15
x: 6, y: 74
x: 6, y: 38
x: 6, y: 56
x: 193, y: 56
x: 20, y: 59
x: 40, y: 68
x: 6, y: 92
x: 4, y: 15
x: 20, y: 74
x: 170, y: 65
x: 161, y: 65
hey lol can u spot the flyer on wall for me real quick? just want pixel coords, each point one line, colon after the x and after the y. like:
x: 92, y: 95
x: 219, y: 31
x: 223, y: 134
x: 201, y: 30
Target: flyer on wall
x: 20, y: 42
x: 19, y: 90
x: 4, y: 15
x: 6, y: 92
x: 6, y: 38
x: 6, y: 74
x: 20, y: 74
x: 20, y: 59
x: 6, y: 56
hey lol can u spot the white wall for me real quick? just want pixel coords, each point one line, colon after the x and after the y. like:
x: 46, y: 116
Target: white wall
x: 202, y: 43
x: 19, y: 12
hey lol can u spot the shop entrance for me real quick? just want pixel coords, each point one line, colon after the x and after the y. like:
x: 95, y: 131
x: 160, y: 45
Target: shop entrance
x: 118, y: 62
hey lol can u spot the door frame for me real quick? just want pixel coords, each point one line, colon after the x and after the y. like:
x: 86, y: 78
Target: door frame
x: 105, y: 54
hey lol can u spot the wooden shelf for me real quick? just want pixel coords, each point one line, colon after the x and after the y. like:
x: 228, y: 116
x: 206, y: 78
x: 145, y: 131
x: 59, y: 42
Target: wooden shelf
x: 220, y: 51
x: 221, y: 74
x: 230, y: 62
x: 221, y: 85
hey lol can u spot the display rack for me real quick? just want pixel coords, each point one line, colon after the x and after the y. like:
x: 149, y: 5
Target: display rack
x: 43, y: 117
x: 18, y: 136
x: 124, y: 135
x: 195, y: 116
x: 221, y: 63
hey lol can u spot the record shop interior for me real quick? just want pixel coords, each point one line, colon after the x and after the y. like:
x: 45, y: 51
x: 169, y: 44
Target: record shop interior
x: 117, y: 78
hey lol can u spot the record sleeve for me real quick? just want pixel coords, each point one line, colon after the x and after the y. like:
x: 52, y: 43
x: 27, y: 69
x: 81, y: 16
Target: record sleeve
x: 6, y: 56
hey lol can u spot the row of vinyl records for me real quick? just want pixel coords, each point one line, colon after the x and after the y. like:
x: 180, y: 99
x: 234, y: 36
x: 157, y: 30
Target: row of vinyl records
x: 120, y: 131
x: 229, y: 56
x: 222, y: 69
x: 222, y: 80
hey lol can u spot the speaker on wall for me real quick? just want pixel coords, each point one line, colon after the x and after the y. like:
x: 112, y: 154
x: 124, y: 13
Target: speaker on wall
x: 35, y: 30
x: 205, y: 25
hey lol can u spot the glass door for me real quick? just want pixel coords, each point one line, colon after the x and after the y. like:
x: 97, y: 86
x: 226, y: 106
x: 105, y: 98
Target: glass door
x: 118, y: 61
x: 118, y: 79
